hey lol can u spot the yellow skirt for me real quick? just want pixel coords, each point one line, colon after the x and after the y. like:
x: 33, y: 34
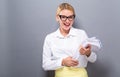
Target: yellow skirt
x: 71, y: 72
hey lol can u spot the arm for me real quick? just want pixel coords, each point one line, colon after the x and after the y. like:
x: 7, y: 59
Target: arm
x: 92, y: 58
x: 49, y: 63
x: 90, y: 55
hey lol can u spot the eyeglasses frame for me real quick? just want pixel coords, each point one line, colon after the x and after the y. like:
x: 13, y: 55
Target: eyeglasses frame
x: 67, y: 17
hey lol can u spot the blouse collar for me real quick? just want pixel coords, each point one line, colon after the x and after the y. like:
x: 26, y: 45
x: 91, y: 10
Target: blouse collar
x: 70, y: 34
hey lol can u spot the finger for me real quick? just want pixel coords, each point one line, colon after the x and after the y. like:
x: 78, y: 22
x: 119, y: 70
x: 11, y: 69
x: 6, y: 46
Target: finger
x: 88, y: 46
x: 82, y: 51
x: 74, y: 63
x: 74, y: 60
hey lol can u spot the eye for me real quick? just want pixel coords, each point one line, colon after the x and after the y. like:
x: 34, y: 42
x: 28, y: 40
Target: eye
x: 71, y: 17
x: 63, y: 16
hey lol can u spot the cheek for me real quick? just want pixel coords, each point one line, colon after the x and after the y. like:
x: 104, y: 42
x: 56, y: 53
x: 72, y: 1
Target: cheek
x: 71, y: 23
x: 61, y: 23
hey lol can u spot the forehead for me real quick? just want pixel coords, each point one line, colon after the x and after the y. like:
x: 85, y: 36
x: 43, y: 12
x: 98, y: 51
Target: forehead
x: 66, y: 12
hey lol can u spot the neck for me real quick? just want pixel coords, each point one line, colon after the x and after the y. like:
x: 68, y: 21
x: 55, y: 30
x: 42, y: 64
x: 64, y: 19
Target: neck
x: 64, y: 32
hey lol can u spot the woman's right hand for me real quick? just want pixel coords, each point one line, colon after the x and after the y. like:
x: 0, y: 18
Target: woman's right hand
x: 69, y: 61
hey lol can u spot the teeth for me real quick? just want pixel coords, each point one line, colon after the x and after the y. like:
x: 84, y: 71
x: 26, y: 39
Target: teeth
x: 66, y: 25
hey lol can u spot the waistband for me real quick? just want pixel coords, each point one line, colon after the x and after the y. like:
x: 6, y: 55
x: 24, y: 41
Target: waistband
x: 71, y: 72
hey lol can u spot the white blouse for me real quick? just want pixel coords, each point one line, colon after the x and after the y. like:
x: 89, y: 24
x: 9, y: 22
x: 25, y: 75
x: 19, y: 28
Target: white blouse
x: 56, y: 47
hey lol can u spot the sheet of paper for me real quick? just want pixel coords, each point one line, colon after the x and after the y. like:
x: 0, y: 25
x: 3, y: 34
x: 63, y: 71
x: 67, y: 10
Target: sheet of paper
x: 94, y: 42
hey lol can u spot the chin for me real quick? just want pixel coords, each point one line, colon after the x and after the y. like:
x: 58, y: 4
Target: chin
x: 68, y: 27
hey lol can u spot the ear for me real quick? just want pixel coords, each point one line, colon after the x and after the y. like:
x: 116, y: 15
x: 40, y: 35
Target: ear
x: 57, y: 18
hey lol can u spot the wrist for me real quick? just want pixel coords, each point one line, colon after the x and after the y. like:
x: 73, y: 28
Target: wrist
x: 63, y: 64
x: 88, y: 54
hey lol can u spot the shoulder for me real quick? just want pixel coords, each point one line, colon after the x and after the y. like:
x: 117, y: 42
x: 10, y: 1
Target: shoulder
x: 50, y: 35
x: 80, y: 33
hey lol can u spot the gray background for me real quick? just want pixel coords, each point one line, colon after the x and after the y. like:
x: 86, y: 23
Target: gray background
x: 25, y: 23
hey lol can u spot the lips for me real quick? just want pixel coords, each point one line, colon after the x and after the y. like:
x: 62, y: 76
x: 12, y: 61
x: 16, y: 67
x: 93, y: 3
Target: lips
x: 67, y: 25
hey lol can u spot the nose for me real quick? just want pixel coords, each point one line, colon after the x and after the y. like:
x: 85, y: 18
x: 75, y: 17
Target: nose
x: 67, y: 20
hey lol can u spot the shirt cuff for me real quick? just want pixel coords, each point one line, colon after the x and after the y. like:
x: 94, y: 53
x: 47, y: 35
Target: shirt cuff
x: 92, y: 58
x: 59, y: 63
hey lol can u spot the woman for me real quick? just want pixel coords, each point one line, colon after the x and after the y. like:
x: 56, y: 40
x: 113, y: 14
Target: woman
x: 61, y: 45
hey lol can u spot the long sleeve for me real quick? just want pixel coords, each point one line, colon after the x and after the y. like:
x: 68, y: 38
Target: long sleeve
x: 83, y: 59
x: 92, y: 58
x: 49, y: 62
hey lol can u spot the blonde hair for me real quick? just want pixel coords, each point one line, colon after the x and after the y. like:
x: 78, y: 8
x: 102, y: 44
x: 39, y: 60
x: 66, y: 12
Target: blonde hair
x: 64, y: 6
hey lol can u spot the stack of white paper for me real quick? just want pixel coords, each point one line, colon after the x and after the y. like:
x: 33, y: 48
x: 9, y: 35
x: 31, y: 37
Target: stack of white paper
x: 95, y: 46
x: 94, y: 42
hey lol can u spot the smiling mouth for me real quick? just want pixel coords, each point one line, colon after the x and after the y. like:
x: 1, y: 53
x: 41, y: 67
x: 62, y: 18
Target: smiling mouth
x: 67, y: 25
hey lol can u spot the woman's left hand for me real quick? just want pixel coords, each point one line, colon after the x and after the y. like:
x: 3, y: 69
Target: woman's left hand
x: 85, y: 50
